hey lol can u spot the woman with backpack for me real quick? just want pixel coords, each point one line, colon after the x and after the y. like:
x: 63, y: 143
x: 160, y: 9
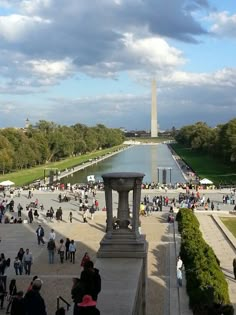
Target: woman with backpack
x: 11, y: 294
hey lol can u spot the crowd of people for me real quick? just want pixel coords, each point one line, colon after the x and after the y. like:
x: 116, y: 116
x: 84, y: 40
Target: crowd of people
x: 85, y: 198
x: 84, y: 292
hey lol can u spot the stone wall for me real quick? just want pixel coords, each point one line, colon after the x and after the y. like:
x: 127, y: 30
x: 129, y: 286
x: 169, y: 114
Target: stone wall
x: 122, y: 286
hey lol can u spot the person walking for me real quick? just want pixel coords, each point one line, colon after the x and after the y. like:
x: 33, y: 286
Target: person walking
x: 11, y: 294
x: 61, y: 250
x: 67, y: 245
x: 72, y: 250
x: 234, y: 267
x: 30, y: 216
x: 52, y: 235
x: 2, y: 293
x: 40, y: 235
x: 84, y: 259
x: 92, y: 280
x: 51, y: 250
x: 18, y: 266
x: 20, y: 253
x: 179, y: 267
x: 27, y: 261
x: 70, y: 217
x: 85, y: 215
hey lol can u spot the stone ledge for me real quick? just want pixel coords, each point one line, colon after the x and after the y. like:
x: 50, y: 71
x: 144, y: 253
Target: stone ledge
x: 121, y: 280
x: 226, y: 232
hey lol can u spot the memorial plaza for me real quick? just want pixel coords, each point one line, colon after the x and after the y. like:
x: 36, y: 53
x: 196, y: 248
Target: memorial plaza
x: 162, y: 295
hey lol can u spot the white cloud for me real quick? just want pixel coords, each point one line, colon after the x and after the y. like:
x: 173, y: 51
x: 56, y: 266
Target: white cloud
x: 32, y: 6
x: 153, y: 51
x: 15, y: 27
x: 222, y: 78
x: 48, y: 68
x: 224, y: 24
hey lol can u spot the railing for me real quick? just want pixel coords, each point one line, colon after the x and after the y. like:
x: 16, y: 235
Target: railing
x: 64, y: 301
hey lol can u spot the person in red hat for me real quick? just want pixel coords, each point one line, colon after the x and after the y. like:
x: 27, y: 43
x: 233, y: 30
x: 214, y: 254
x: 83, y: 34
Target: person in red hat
x: 88, y: 306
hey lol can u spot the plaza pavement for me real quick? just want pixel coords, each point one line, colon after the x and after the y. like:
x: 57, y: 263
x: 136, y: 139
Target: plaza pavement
x: 57, y: 278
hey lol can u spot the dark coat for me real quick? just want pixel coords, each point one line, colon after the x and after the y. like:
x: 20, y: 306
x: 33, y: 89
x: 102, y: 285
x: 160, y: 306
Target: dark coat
x: 34, y: 303
x: 89, y: 310
x: 92, y: 281
x: 18, y: 307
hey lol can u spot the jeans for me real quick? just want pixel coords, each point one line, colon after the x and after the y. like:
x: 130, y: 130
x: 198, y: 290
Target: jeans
x: 61, y: 253
x: 40, y: 240
x: 51, y: 256
x: 72, y: 257
x: 18, y: 270
x: 27, y: 266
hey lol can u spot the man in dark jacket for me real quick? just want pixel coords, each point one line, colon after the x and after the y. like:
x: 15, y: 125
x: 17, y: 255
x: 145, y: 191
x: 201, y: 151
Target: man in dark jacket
x: 91, y: 278
x: 40, y: 235
x: 34, y: 303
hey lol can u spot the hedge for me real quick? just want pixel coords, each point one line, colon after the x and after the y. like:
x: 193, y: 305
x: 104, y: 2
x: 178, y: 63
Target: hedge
x: 206, y: 284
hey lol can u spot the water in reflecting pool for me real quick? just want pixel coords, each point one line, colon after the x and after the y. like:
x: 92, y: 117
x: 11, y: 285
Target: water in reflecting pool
x: 142, y: 158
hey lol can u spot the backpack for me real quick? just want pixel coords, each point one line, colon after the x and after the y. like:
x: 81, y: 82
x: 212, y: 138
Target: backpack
x: 51, y: 245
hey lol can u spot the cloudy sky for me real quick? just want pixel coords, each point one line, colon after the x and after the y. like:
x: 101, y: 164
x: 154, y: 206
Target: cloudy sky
x: 92, y: 61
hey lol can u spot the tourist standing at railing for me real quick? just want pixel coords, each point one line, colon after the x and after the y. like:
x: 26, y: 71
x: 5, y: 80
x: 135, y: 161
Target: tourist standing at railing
x: 18, y: 307
x: 11, y: 294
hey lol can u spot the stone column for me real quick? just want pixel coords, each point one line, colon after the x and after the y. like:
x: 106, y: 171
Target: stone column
x: 109, y: 208
x: 136, y: 206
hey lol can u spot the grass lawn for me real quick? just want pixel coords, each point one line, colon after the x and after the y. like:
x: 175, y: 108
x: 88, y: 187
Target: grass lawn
x: 230, y: 223
x: 207, y: 166
x: 26, y: 176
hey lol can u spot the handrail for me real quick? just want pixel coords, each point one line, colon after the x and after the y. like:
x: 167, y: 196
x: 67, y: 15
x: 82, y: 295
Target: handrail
x: 64, y: 301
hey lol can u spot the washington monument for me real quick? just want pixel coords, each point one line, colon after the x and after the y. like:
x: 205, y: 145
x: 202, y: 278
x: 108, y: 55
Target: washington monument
x: 154, y: 125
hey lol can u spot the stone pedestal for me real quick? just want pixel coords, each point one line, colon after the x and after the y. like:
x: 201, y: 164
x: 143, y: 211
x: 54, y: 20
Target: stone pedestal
x: 125, y: 241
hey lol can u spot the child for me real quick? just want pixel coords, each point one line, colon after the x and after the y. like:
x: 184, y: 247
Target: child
x: 84, y: 259
x: 18, y: 266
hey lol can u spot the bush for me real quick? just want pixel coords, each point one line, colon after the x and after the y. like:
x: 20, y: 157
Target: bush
x: 206, y: 284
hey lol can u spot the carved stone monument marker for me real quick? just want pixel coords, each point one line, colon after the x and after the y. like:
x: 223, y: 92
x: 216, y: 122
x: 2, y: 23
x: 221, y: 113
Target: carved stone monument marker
x: 122, y: 238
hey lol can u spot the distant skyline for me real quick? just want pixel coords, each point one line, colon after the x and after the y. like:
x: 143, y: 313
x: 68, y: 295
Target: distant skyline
x: 93, y: 62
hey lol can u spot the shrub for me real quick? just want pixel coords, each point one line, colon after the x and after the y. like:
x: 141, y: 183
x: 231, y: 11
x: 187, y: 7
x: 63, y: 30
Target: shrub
x: 206, y: 284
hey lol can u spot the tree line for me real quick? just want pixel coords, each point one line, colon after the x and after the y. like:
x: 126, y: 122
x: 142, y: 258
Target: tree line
x: 219, y: 141
x: 48, y: 142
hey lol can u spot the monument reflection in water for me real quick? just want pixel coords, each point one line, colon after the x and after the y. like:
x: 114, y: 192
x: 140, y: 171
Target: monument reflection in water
x: 141, y: 158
